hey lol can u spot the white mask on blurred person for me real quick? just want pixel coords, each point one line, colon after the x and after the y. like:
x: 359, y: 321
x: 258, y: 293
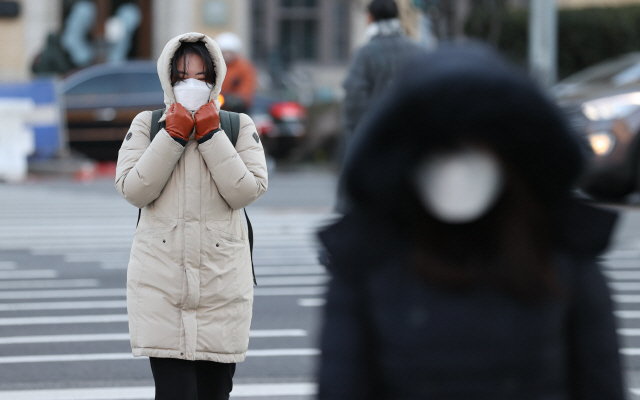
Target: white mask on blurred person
x: 192, y: 93
x: 459, y: 187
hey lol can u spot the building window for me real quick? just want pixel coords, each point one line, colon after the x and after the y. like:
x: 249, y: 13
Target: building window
x: 314, y: 31
x: 298, y: 3
x: 298, y: 39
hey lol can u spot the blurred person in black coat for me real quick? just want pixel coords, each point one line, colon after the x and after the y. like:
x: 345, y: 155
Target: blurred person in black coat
x: 464, y: 268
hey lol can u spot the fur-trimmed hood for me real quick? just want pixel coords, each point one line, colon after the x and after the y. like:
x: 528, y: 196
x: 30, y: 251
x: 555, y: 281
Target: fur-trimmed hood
x: 164, y: 64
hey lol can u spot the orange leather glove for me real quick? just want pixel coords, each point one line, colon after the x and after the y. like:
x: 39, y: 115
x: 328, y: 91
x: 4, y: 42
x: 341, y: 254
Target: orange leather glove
x: 207, y: 121
x: 179, y: 123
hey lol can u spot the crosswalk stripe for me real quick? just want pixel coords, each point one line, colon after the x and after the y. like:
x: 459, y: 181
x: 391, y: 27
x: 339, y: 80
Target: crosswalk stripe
x: 626, y: 298
x: 75, y: 293
x: 622, y: 275
x: 67, y: 319
x: 290, y: 270
x: 49, y: 284
x: 53, y: 294
x: 629, y: 332
x: 129, y: 356
x: 290, y: 291
x: 311, y: 302
x: 63, y: 305
x: 64, y: 338
x: 105, y: 337
x: 630, y: 351
x: 627, y: 314
x: 624, y: 286
x: 29, y: 274
x: 293, y: 280
x: 4, y: 265
x: 148, y: 392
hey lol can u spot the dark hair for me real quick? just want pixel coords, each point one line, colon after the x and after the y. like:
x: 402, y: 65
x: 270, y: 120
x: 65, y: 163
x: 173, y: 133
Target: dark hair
x: 196, y: 48
x: 383, y: 9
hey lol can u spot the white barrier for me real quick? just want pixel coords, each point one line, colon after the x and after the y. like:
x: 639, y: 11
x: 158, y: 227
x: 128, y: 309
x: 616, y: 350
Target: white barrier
x: 17, y: 139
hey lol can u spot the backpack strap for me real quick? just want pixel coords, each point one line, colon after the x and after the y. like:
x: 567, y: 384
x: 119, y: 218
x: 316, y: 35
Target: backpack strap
x: 155, y: 123
x: 230, y: 124
x: 153, y: 130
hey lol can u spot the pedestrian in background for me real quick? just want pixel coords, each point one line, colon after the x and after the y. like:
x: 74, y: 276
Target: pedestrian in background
x: 464, y: 268
x: 189, y: 279
x: 375, y: 65
x: 239, y: 87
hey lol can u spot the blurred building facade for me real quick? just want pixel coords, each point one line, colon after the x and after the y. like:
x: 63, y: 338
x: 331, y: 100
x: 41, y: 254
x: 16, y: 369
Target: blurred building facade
x: 316, y: 37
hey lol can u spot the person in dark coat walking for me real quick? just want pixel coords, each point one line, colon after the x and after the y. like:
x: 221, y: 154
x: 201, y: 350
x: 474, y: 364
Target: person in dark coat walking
x: 376, y: 64
x: 464, y: 268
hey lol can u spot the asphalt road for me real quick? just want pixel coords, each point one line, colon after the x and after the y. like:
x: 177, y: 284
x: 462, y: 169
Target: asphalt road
x: 63, y: 255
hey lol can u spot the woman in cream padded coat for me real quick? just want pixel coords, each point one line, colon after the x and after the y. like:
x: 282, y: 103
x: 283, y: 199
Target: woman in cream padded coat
x: 189, y: 279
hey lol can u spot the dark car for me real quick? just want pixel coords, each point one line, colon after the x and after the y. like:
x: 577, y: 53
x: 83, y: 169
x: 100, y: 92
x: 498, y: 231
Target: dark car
x: 602, y: 104
x: 102, y: 100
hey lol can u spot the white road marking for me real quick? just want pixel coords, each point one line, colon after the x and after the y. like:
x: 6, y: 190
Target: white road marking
x: 49, y: 284
x: 67, y: 319
x: 630, y: 351
x: 29, y: 274
x: 621, y: 254
x: 75, y: 293
x: 621, y: 298
x: 148, y: 392
x: 278, y: 333
x: 629, y: 332
x: 293, y: 280
x: 259, y: 333
x: 107, y: 337
x: 290, y: 270
x: 311, y: 302
x: 57, y: 294
x: 289, y: 291
x: 129, y: 356
x: 624, y: 286
x: 8, y: 265
x: 622, y: 275
x: 63, y: 305
x: 620, y: 264
x: 627, y: 314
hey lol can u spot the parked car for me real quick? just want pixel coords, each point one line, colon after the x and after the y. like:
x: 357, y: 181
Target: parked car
x: 602, y: 104
x: 102, y: 100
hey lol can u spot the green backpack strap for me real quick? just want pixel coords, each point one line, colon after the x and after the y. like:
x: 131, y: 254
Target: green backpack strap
x: 230, y: 124
x: 155, y: 123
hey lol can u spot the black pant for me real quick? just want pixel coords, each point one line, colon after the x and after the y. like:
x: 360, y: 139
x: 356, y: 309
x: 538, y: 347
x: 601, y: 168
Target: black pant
x: 191, y: 380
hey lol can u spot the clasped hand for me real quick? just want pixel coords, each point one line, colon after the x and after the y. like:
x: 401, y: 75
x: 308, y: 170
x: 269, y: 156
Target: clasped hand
x: 180, y: 123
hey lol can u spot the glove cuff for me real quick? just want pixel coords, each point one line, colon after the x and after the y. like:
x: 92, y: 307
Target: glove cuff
x: 208, y: 136
x: 180, y: 140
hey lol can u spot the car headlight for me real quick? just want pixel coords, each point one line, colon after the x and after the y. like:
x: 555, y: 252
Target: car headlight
x: 612, y: 107
x: 601, y: 142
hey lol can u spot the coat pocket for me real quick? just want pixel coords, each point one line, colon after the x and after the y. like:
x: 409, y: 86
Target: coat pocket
x: 155, y: 226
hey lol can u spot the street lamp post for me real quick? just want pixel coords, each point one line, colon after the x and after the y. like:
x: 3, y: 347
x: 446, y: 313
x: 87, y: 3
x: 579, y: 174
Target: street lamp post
x: 543, y: 41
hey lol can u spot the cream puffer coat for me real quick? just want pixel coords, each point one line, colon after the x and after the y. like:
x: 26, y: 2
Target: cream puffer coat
x: 189, y: 279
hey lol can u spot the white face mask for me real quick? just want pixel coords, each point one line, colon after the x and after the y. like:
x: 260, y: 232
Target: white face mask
x: 459, y: 187
x: 192, y: 93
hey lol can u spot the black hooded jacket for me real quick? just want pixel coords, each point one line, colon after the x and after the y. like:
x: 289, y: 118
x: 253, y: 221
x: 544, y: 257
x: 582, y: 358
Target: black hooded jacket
x: 389, y: 334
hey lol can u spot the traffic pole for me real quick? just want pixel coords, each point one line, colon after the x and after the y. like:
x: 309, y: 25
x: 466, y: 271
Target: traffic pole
x: 543, y: 41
